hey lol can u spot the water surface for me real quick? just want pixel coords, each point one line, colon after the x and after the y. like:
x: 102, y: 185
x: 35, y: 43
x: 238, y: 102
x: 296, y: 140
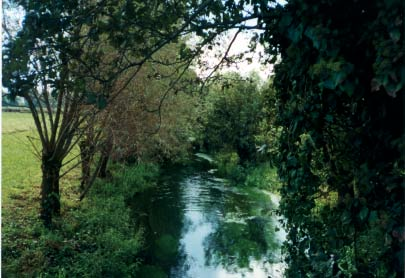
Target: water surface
x: 198, y: 226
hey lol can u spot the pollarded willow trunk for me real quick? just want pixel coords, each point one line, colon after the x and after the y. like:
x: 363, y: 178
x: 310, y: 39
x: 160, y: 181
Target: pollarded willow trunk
x: 50, y: 194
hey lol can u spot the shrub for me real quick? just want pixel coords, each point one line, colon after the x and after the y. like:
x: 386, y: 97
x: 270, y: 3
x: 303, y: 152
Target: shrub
x: 262, y: 176
x: 229, y: 167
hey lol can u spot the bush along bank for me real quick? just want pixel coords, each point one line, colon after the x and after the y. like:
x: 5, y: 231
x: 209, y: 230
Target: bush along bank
x: 249, y: 174
x: 96, y: 239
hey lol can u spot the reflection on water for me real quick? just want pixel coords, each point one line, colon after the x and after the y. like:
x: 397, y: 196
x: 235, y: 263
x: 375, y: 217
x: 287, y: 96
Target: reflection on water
x: 197, y: 226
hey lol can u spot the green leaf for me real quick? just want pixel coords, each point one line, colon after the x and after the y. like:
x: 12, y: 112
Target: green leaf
x: 346, y: 217
x: 329, y: 118
x: 372, y: 217
x: 285, y: 21
x: 295, y: 34
x: 348, y: 87
x: 363, y: 213
x: 395, y: 35
x: 328, y: 84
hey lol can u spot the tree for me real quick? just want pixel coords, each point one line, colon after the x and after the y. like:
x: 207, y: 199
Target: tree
x: 54, y: 63
x: 234, y: 112
x: 150, y: 120
x: 36, y: 67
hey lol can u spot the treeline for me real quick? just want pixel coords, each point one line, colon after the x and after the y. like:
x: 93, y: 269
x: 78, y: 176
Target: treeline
x: 236, y: 126
x: 338, y: 83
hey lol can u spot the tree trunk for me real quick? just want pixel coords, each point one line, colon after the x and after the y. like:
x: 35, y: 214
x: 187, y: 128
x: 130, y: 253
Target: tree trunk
x: 50, y: 195
x: 86, y: 154
x: 105, y: 156
x: 245, y: 154
x: 103, y: 169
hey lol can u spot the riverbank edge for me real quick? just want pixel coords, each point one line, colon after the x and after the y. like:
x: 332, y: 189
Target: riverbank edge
x: 260, y: 174
x: 93, y: 238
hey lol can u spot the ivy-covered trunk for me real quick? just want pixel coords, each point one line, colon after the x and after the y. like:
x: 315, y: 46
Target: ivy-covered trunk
x: 50, y: 194
x: 340, y: 100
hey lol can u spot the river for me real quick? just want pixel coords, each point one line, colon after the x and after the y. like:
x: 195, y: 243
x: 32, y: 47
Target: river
x: 196, y: 225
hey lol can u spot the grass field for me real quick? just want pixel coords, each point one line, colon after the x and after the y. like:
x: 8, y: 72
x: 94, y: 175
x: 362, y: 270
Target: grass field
x: 15, y: 121
x: 21, y: 168
x: 92, y: 238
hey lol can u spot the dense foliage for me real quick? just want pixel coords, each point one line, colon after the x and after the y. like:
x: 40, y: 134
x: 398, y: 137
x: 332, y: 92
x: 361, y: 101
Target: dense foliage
x: 153, y: 118
x: 340, y: 87
x: 233, y: 113
x: 236, y: 127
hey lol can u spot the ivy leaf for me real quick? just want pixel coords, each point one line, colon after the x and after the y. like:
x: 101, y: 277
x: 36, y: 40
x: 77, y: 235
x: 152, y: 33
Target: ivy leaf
x: 328, y: 84
x: 372, y: 217
x: 295, y: 34
x: 363, y: 213
x: 345, y: 218
x: 347, y: 87
x: 395, y: 35
x: 285, y: 21
x: 329, y: 118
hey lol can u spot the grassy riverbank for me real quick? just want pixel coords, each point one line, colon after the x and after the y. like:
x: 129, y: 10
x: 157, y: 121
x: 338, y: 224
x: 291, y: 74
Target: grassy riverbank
x: 92, y: 238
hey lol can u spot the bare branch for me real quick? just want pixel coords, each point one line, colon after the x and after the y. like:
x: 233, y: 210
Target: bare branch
x: 224, y: 58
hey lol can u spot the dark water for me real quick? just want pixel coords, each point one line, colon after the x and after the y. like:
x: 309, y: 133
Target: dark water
x: 195, y: 225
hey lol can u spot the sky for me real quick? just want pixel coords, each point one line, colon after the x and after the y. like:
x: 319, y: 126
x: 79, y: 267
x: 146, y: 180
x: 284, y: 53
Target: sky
x: 240, y: 45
